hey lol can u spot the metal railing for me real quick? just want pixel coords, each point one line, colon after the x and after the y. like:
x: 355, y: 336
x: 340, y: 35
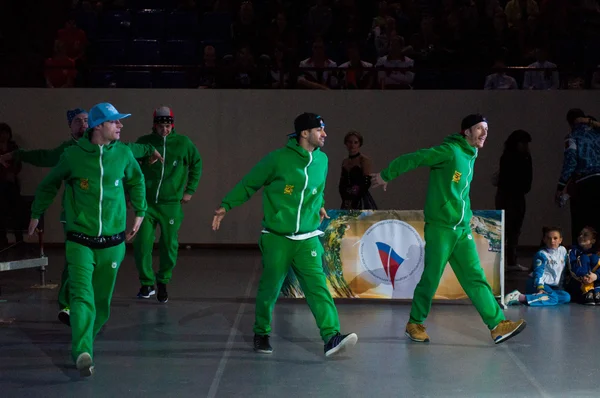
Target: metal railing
x: 190, y: 76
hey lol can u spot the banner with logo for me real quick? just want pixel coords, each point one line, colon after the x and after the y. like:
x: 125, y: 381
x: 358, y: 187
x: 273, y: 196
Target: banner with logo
x: 380, y: 254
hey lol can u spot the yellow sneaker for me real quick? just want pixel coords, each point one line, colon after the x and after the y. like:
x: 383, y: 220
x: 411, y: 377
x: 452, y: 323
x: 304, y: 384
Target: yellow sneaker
x: 416, y: 332
x: 507, y: 329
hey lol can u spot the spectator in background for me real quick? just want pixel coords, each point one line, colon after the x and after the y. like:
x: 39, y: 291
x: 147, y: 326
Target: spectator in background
x: 382, y: 36
x: 583, y: 262
x: 520, y: 12
x: 320, y: 20
x: 281, y: 32
x: 10, y: 189
x: 209, y: 72
x: 279, y: 75
x: 541, y: 80
x: 246, y: 29
x: 346, y: 21
x: 74, y: 39
x: 391, y: 80
x: 514, y: 182
x: 243, y: 73
x: 355, y: 179
x: 545, y: 286
x: 500, y: 80
x: 580, y: 174
x: 60, y: 70
x: 354, y: 75
x: 317, y: 79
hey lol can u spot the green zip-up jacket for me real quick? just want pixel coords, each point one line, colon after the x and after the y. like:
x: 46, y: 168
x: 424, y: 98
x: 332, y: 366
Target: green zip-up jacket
x: 452, y: 165
x: 294, y: 184
x: 179, y: 174
x: 50, y: 157
x: 95, y: 180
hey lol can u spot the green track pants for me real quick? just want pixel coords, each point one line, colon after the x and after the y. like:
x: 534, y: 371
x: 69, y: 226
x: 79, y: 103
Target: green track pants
x: 169, y: 218
x: 305, y: 257
x: 63, y: 290
x: 92, y: 276
x: 445, y: 245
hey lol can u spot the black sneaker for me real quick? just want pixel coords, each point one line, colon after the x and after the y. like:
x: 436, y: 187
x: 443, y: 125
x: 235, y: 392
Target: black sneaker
x: 261, y: 344
x: 589, y: 298
x: 146, y: 291
x: 597, y: 298
x: 65, y: 316
x: 162, y: 295
x: 339, y: 342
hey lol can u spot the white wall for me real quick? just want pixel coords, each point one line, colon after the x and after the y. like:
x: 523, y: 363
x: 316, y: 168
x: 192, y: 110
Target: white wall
x: 234, y: 129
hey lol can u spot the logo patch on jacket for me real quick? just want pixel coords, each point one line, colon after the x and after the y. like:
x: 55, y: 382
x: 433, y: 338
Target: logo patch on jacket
x: 288, y: 189
x: 456, y: 176
x: 84, y: 184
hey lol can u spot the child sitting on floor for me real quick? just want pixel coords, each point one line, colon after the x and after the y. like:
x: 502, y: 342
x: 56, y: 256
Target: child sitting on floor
x: 544, y: 287
x: 584, y: 264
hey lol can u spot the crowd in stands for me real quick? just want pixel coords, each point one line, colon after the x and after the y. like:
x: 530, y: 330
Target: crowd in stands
x: 322, y: 44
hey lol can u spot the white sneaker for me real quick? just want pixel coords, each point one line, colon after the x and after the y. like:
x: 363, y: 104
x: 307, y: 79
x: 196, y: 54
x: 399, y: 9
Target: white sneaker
x: 84, y: 364
x: 512, y: 298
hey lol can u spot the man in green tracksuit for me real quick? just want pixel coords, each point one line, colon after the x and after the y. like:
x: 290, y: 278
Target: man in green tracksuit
x: 77, y: 120
x: 97, y: 172
x: 447, y: 228
x: 293, y: 178
x: 168, y: 186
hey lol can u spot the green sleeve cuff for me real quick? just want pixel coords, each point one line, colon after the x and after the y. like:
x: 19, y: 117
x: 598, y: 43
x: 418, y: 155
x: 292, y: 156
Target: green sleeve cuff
x: 384, y: 176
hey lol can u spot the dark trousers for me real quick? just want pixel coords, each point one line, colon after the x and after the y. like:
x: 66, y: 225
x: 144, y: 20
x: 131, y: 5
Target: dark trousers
x: 10, y: 210
x: 514, y: 207
x: 585, y: 206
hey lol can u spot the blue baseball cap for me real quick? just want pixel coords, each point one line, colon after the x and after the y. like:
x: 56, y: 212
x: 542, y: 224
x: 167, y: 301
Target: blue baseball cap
x: 104, y: 112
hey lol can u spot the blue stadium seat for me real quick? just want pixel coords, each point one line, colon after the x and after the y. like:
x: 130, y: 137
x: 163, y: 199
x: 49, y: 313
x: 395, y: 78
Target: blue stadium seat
x: 182, y: 25
x: 216, y: 26
x: 145, y: 52
x: 135, y: 79
x: 114, y: 25
x: 108, y: 52
x: 148, y: 24
x: 180, y: 52
x: 173, y: 79
x: 101, y: 78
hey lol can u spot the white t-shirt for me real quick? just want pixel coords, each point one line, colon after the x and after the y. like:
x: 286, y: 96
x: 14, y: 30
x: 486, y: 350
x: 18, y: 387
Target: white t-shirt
x: 396, y: 77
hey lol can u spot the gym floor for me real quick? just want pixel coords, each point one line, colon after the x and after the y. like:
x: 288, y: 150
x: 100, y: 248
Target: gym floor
x: 199, y: 344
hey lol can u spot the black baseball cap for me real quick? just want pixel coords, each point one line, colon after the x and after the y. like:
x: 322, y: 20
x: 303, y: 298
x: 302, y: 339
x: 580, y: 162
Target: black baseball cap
x: 306, y: 121
x: 573, y: 114
x: 472, y: 120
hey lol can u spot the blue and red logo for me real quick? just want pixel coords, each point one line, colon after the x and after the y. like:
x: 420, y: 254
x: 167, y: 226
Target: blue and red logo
x: 390, y: 260
x: 392, y: 252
